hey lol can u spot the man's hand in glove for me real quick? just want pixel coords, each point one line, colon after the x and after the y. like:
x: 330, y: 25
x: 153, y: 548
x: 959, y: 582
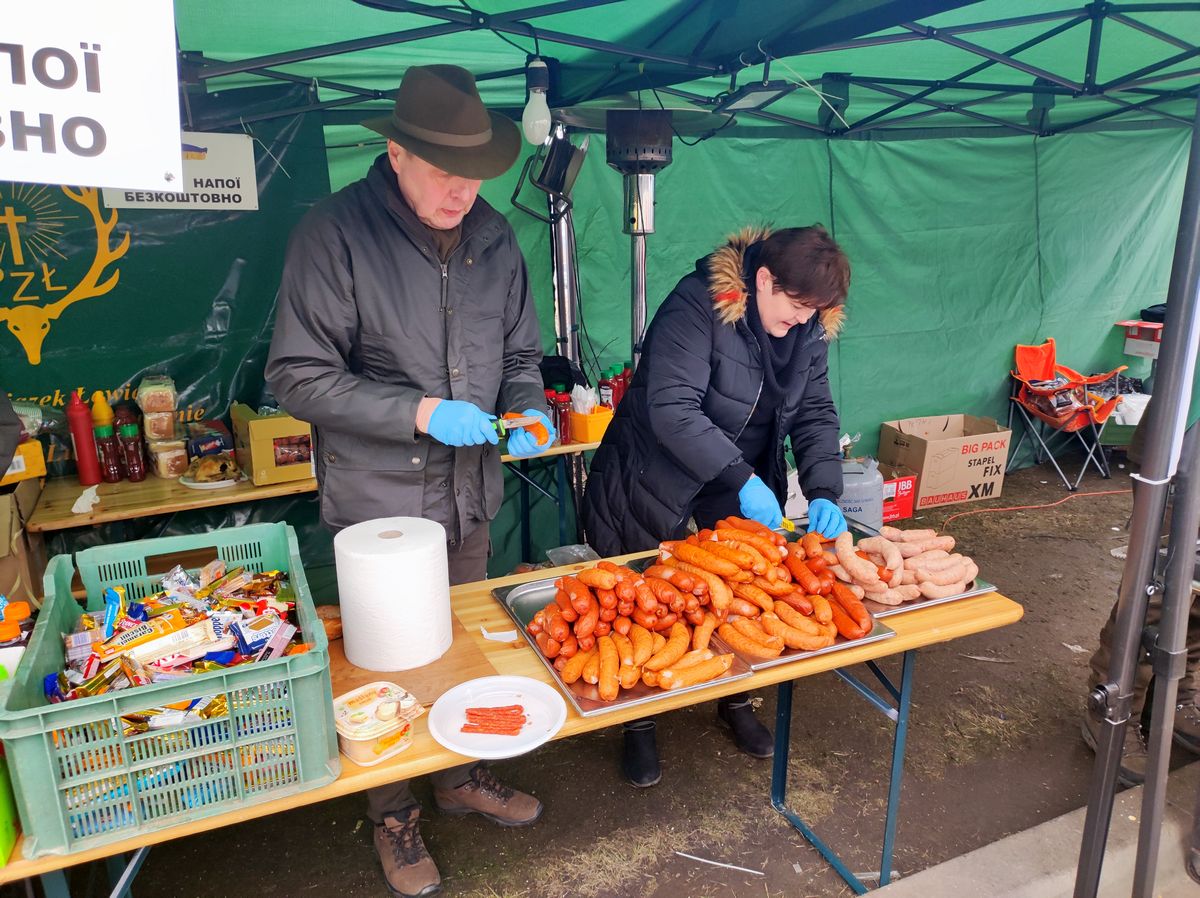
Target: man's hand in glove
x: 521, y: 441
x: 458, y: 423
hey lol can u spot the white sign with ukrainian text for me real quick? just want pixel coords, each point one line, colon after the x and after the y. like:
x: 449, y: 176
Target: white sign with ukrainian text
x: 218, y: 173
x: 88, y: 93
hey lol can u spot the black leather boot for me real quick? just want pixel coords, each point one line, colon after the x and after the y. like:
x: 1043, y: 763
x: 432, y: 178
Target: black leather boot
x: 640, y: 759
x: 736, y: 712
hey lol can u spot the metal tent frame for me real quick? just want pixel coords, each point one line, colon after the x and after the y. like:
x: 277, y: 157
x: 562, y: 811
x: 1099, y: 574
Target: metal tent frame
x: 611, y: 67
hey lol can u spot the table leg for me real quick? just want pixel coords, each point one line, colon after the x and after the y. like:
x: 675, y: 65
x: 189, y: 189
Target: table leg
x: 893, y: 805
x: 54, y: 884
x: 898, y: 714
x: 121, y: 875
x: 564, y: 491
x: 526, y: 535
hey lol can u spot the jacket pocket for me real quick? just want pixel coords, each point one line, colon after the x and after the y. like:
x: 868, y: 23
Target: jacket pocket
x: 350, y: 497
x: 363, y: 452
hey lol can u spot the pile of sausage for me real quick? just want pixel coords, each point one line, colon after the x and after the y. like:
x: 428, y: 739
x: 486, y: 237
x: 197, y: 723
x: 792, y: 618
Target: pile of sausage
x: 902, y: 566
x: 613, y: 628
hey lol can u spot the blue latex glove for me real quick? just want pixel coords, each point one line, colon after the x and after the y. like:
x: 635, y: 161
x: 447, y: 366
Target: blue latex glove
x: 825, y: 518
x: 758, y: 503
x: 458, y: 423
x: 521, y: 442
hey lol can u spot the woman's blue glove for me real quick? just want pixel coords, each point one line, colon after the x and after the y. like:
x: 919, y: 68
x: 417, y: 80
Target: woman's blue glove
x: 522, y: 444
x: 458, y: 423
x: 825, y: 518
x: 758, y: 503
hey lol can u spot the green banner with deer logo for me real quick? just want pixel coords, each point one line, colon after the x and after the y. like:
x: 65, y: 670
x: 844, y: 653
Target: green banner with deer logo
x: 95, y: 298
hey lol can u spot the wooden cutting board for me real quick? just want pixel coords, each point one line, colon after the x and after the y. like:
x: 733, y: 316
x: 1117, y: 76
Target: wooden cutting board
x: 463, y: 661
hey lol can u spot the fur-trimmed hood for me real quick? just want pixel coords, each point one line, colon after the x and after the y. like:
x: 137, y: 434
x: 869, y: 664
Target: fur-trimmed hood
x: 728, y: 287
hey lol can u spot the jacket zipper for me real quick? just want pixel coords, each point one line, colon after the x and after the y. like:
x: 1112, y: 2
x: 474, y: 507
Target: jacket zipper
x: 757, y: 396
x: 445, y: 284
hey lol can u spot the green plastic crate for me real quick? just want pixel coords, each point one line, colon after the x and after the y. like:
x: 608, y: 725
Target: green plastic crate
x: 79, y: 782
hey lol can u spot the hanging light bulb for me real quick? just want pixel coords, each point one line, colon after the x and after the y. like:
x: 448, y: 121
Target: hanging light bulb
x: 535, y: 120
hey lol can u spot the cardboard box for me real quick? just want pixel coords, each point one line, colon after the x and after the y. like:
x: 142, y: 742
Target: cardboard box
x: 28, y: 461
x: 20, y: 568
x: 958, y: 458
x: 899, y: 492
x: 272, y: 448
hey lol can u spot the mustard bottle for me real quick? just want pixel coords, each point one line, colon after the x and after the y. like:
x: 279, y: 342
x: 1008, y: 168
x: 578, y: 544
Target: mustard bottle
x: 102, y: 413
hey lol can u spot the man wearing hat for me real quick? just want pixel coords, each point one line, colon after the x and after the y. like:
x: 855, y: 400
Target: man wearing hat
x: 404, y: 325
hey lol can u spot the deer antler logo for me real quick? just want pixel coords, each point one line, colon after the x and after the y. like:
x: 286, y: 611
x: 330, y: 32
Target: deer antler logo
x: 29, y: 321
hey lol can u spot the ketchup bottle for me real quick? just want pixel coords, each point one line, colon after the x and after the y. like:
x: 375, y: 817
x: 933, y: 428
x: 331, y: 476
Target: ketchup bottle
x: 133, y: 452
x: 109, y: 451
x: 79, y: 420
x: 562, y: 409
x: 606, y: 390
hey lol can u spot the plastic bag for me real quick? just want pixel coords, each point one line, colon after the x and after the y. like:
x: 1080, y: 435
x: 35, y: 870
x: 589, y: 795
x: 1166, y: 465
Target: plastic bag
x: 573, y: 554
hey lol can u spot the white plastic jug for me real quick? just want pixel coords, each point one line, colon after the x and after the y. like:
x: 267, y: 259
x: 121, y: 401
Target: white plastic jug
x: 862, y: 492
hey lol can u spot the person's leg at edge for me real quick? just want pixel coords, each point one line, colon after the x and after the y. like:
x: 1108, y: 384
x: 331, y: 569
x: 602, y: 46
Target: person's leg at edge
x: 407, y: 867
x: 473, y: 788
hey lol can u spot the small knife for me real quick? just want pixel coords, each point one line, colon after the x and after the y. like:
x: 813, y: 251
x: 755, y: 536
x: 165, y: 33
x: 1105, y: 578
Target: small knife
x: 503, y: 425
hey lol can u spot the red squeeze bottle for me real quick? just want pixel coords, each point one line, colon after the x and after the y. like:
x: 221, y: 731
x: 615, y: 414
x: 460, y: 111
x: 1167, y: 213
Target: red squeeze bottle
x: 79, y: 420
x: 606, y: 391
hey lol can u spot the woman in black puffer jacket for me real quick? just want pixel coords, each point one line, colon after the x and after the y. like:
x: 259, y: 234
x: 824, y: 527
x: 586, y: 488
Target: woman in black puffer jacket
x: 734, y: 363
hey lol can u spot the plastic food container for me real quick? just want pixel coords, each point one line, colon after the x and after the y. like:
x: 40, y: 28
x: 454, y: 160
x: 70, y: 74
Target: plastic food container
x: 156, y: 393
x: 169, y: 457
x: 160, y: 426
x: 374, y: 722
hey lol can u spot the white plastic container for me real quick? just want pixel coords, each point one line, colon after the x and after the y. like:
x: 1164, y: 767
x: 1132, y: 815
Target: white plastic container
x: 374, y: 722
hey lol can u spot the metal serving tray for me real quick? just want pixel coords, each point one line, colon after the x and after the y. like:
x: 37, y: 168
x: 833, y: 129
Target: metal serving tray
x: 978, y: 588
x: 524, y: 600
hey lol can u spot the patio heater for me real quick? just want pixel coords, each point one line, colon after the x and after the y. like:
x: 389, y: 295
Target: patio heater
x: 639, y: 146
x: 553, y: 170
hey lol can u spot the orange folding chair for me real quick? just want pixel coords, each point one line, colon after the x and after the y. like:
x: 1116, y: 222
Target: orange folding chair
x: 1058, y: 410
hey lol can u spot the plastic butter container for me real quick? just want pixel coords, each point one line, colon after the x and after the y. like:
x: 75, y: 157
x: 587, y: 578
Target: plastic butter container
x: 374, y: 721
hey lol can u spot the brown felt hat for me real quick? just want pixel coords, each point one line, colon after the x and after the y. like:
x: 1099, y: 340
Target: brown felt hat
x: 439, y: 116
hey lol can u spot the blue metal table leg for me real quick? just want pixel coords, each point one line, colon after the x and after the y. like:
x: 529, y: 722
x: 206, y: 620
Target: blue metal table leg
x: 563, y: 491
x: 114, y: 864
x: 893, y: 805
x: 122, y: 883
x: 899, y: 715
x: 526, y: 536
x: 54, y: 884
x: 783, y: 741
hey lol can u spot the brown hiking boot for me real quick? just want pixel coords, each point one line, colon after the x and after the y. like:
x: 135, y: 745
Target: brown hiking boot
x: 407, y: 867
x: 1134, y: 759
x: 1187, y: 724
x: 486, y: 795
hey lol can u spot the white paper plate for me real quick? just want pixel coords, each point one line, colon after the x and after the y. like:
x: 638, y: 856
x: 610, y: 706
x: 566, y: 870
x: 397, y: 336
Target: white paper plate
x: 216, y: 485
x: 544, y: 707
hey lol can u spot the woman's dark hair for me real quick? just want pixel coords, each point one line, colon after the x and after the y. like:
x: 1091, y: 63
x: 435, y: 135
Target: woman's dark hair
x: 807, y: 264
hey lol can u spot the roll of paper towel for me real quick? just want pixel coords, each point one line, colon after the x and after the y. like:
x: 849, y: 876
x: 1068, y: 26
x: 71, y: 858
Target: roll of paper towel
x: 395, y: 592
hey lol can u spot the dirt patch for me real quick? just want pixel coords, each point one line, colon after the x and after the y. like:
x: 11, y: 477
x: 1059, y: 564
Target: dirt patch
x: 1006, y: 735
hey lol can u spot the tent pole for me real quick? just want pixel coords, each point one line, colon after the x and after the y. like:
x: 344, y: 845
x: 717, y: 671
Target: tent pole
x: 1110, y: 702
x: 1169, y: 659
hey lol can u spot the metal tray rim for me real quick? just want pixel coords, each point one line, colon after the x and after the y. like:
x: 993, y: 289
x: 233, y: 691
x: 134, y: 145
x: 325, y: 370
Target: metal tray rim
x: 981, y: 586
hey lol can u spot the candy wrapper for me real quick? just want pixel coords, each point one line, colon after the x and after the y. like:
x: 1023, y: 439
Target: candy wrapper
x: 200, y: 622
